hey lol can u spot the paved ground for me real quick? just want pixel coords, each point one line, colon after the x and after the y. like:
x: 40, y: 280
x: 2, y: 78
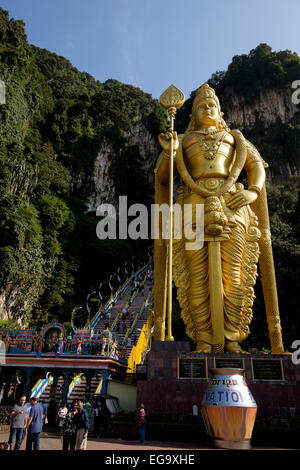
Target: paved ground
x: 53, y: 442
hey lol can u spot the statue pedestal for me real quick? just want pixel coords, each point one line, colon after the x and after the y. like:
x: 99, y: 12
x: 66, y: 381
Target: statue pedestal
x: 177, y: 378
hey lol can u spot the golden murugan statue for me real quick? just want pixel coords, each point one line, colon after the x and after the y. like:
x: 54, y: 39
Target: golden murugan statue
x: 215, y: 283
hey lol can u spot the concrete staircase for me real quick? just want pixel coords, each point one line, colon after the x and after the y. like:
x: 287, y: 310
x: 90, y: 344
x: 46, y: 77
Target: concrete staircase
x: 136, y: 333
x: 121, y: 326
x: 46, y: 394
x: 77, y: 393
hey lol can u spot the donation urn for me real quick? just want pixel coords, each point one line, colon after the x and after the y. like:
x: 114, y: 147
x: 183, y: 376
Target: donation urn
x: 229, y: 409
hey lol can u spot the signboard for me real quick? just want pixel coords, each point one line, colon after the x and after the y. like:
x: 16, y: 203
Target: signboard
x: 267, y: 369
x: 191, y: 368
x: 229, y: 363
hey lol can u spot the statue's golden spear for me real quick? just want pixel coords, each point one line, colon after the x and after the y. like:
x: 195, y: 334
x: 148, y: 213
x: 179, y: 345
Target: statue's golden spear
x: 267, y: 273
x: 171, y: 99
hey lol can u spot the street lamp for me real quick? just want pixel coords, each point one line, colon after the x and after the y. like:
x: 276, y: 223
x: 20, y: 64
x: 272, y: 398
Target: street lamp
x: 125, y: 269
x: 132, y: 265
x: 150, y: 255
x: 87, y: 301
x: 99, y: 290
x: 88, y: 307
x: 119, y: 279
x: 110, y: 284
x: 72, y: 317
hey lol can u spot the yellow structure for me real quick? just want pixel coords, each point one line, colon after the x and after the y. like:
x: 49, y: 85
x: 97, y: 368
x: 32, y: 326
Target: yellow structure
x: 142, y: 346
x: 215, y: 282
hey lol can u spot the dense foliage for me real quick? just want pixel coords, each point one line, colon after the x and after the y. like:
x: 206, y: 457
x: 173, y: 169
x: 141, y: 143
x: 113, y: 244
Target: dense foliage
x: 260, y: 66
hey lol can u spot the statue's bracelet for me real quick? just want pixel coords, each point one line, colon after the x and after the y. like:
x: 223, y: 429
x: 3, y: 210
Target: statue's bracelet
x: 257, y: 189
x: 166, y: 155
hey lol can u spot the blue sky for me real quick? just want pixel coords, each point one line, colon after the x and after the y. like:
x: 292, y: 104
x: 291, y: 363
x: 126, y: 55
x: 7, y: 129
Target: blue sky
x: 153, y: 43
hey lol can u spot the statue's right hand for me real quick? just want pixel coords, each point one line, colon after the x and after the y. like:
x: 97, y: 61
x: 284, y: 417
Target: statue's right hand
x: 165, y: 140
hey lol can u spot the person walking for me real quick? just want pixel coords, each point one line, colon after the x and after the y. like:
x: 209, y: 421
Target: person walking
x: 34, y: 425
x: 68, y: 430
x: 142, y: 423
x: 82, y: 426
x: 28, y: 406
x: 96, y: 416
x: 18, y: 424
x: 61, y: 414
x: 44, y: 406
x: 87, y: 407
x: 79, y: 346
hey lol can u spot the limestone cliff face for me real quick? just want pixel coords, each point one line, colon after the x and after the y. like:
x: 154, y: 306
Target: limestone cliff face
x: 267, y: 106
x: 10, y: 302
x: 103, y: 185
x: 149, y: 149
x: 269, y: 119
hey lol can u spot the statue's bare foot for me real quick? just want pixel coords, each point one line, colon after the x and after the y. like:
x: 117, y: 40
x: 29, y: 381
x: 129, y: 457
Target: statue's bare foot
x: 203, y: 347
x: 234, y: 347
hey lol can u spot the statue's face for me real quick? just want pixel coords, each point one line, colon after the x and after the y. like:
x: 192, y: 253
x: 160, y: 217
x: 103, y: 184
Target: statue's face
x: 207, y: 113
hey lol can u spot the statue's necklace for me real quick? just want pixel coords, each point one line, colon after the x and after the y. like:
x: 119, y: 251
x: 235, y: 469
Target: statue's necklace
x: 211, y: 145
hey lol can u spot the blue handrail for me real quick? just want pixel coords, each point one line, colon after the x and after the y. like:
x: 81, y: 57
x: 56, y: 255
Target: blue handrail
x: 39, y: 388
x: 75, y: 381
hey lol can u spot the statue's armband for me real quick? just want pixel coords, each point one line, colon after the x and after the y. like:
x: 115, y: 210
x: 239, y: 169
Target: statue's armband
x: 253, y: 156
x: 255, y: 167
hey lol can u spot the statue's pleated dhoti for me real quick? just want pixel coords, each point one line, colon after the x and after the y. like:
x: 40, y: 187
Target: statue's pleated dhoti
x: 239, y: 254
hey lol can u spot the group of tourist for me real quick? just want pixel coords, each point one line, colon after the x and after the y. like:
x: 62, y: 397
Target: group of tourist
x: 95, y: 412
x: 139, y: 282
x: 74, y: 423
x: 27, y: 420
x: 126, y: 319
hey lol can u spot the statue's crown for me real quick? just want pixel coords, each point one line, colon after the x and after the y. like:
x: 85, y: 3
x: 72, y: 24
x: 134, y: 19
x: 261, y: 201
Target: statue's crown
x: 205, y: 91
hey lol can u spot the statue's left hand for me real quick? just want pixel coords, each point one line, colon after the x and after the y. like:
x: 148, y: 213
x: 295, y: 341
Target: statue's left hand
x: 242, y: 198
